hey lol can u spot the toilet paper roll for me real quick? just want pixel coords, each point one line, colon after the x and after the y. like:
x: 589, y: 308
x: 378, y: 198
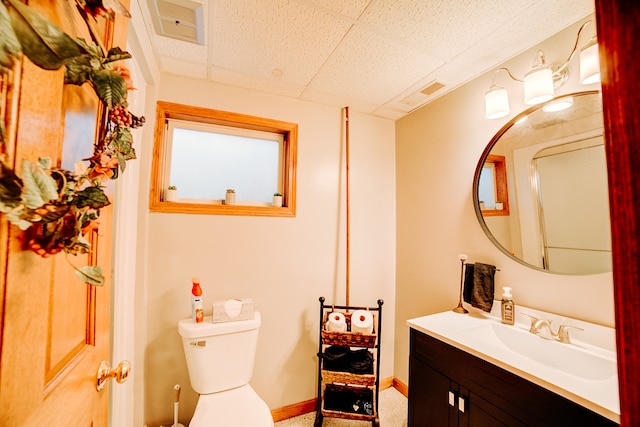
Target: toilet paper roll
x: 336, y: 322
x: 362, y: 322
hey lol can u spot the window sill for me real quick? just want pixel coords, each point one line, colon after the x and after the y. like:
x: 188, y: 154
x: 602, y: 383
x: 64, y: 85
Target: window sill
x: 220, y: 209
x: 494, y: 212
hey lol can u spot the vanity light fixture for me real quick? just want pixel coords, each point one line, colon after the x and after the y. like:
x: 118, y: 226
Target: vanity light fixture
x: 496, y: 102
x: 590, y: 63
x: 542, y: 80
x: 538, y: 82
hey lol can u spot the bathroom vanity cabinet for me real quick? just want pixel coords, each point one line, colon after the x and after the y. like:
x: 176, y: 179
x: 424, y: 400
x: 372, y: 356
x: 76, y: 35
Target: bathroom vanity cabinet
x: 450, y: 387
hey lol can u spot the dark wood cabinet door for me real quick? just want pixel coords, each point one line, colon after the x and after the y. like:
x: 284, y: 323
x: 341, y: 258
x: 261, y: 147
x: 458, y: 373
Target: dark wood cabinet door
x: 483, y: 413
x: 430, y: 401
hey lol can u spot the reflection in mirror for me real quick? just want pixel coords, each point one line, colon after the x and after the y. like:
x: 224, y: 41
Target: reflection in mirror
x: 492, y: 188
x: 556, y: 182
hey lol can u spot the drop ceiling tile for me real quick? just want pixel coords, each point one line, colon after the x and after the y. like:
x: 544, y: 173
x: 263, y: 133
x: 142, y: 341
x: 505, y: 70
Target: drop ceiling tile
x: 524, y: 31
x: 269, y: 85
x: 372, y: 68
x: 183, y: 68
x: 337, y: 100
x: 351, y: 8
x: 390, y: 113
x: 192, y: 52
x: 257, y: 37
x: 442, y: 28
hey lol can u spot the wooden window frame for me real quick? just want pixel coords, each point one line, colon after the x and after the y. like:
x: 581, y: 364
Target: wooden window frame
x: 502, y: 194
x: 168, y: 110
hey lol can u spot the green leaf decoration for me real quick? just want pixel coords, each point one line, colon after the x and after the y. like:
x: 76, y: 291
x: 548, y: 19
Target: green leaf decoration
x: 88, y: 215
x: 9, y: 44
x: 82, y: 245
x: 117, y: 54
x: 63, y: 214
x: 110, y: 87
x: 54, y: 213
x: 78, y: 70
x: 10, y: 189
x: 43, y: 42
x: 92, y: 197
x: 122, y: 143
x: 39, y: 187
x: 91, y: 274
x: 122, y: 162
x: 92, y: 49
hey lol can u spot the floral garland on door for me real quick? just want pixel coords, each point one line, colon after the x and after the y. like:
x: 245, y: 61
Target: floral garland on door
x: 63, y: 206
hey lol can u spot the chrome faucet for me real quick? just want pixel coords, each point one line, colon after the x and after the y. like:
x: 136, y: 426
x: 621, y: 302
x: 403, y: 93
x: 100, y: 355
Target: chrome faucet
x: 543, y: 329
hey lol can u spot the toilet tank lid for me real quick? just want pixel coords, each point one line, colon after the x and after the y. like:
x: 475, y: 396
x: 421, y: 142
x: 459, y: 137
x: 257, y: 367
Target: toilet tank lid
x: 189, y: 329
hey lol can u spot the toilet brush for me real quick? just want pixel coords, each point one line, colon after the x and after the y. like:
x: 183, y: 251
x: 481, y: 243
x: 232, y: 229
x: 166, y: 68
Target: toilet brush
x: 176, y: 404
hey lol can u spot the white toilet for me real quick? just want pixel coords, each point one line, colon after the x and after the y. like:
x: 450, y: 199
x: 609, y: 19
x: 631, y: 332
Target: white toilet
x: 220, y: 359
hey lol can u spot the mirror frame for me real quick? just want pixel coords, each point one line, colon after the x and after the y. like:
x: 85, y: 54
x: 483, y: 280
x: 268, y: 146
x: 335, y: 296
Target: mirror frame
x: 480, y: 165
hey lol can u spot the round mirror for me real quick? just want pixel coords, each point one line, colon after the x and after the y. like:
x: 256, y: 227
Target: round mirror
x: 540, y: 189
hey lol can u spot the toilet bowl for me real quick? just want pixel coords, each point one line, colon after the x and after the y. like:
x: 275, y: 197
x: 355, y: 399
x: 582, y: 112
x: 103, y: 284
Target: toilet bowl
x: 239, y: 407
x: 220, y: 359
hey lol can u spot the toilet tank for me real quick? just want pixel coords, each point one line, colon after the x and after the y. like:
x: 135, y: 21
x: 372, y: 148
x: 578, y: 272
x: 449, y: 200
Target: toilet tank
x: 220, y: 356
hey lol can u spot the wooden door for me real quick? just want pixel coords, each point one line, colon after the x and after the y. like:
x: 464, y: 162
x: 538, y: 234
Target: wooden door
x: 618, y: 28
x: 55, y: 328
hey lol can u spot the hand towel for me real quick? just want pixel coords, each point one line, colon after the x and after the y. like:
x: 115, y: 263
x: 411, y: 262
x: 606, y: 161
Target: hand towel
x: 479, y: 285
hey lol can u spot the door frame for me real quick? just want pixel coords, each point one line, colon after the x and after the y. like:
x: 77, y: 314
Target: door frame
x: 128, y: 301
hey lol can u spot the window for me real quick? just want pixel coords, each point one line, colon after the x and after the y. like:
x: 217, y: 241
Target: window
x: 492, y: 187
x: 206, y: 152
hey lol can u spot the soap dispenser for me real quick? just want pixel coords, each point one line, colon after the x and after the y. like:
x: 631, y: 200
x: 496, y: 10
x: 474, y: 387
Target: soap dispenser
x: 508, y: 308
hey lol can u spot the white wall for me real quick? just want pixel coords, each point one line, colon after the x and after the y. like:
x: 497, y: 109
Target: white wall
x: 437, y: 150
x: 284, y: 264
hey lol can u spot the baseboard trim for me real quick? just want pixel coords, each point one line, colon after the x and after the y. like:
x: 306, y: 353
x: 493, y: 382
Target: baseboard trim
x: 294, y: 410
x: 307, y: 406
x: 401, y: 387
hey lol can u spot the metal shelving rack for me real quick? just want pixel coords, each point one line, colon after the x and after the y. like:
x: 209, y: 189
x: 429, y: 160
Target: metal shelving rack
x: 346, y: 380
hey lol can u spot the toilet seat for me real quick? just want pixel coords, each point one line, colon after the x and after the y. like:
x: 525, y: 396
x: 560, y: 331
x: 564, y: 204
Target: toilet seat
x: 238, y: 407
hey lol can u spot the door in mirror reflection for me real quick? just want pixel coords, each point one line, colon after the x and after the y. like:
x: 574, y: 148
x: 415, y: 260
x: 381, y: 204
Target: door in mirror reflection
x: 572, y: 195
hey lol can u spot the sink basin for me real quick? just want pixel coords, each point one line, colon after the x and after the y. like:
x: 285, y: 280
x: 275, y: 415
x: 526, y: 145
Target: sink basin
x: 572, y: 359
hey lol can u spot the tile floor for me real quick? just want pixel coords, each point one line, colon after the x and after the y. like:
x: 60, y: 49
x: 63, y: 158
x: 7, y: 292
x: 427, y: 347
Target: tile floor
x: 392, y: 410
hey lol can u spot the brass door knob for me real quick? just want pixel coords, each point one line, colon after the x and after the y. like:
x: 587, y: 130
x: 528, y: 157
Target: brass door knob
x: 120, y: 373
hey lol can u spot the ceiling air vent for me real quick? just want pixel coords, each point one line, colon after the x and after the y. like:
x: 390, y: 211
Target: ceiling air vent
x: 419, y: 98
x: 432, y: 88
x: 178, y: 19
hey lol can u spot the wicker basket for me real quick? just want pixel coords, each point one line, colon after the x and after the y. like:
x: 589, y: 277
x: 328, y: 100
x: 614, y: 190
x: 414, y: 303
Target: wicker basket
x: 348, y: 338
x: 347, y: 415
x: 332, y: 377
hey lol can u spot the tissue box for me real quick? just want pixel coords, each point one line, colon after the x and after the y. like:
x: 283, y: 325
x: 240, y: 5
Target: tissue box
x: 233, y: 310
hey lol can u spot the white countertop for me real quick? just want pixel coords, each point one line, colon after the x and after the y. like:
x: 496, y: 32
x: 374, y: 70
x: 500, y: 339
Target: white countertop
x: 599, y: 395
